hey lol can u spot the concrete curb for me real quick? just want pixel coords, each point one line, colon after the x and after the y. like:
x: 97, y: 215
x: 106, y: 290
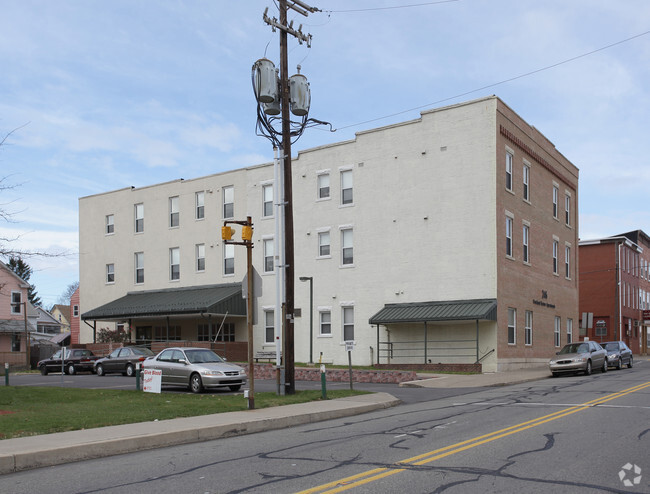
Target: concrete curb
x: 64, y: 447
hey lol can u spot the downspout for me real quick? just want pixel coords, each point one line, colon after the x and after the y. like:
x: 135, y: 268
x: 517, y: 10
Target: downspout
x: 425, y: 342
x: 377, y: 344
x: 619, y: 288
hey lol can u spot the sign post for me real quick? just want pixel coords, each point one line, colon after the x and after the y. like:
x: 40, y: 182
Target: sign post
x: 349, y: 346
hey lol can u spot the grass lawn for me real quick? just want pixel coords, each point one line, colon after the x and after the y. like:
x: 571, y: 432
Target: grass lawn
x: 26, y: 411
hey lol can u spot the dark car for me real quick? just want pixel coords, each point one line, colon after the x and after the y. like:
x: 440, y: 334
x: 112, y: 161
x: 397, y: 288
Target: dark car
x: 196, y: 368
x: 618, y: 354
x: 75, y: 360
x: 122, y: 360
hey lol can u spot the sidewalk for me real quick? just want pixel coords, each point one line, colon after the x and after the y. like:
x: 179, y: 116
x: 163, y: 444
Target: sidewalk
x: 479, y: 380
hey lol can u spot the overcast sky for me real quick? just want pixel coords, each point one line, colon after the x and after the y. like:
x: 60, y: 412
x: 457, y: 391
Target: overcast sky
x: 108, y: 94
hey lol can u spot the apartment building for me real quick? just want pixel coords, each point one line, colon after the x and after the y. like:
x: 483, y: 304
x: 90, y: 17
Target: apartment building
x: 615, y: 289
x: 448, y: 239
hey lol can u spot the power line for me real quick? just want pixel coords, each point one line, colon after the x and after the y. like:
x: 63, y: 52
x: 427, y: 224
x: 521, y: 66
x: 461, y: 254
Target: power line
x: 389, y: 8
x: 568, y: 60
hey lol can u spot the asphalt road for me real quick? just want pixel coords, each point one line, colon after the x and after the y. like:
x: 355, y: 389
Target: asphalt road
x: 578, y: 434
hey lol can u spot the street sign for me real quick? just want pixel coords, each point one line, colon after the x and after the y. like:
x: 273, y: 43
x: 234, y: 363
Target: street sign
x: 349, y: 346
x: 152, y: 380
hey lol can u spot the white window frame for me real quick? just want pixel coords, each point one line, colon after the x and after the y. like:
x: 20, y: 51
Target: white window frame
x: 174, y: 212
x: 569, y: 330
x: 556, y: 331
x: 267, y: 200
x: 174, y: 263
x: 269, y: 253
x: 567, y: 209
x: 228, y: 259
x: 556, y: 247
x: 110, y: 273
x: 509, y: 229
x: 110, y: 224
x: 512, y: 326
x: 347, y: 185
x: 509, y: 160
x: 200, y: 257
x: 138, y: 212
x: 526, y: 181
x: 346, y: 310
x: 228, y: 202
x: 347, y: 246
x: 325, y: 322
x: 269, y: 329
x: 16, y: 303
x: 322, y: 235
x: 138, y: 261
x: 526, y: 242
x: 567, y: 262
x: 199, y: 205
x: 323, y: 187
x: 556, y: 194
x: 528, y: 328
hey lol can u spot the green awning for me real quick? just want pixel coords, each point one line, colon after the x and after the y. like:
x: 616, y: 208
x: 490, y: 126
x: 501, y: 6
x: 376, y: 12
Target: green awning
x: 210, y: 299
x: 452, y: 310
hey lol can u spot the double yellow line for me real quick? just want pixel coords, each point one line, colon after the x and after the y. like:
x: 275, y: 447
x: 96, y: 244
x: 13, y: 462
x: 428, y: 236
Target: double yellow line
x: 379, y: 473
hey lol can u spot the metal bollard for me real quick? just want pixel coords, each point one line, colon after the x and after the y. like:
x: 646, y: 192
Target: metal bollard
x: 137, y: 376
x: 6, y: 373
x: 323, y: 382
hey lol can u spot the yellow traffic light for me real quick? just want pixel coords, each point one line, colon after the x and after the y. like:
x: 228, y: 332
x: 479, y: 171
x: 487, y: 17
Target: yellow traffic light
x: 247, y: 233
x: 227, y: 233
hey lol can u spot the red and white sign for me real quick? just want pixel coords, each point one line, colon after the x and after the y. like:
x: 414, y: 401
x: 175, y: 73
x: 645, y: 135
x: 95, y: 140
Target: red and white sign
x: 152, y: 379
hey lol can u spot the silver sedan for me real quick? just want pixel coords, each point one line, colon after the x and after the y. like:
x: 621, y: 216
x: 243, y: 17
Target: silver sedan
x: 583, y: 356
x: 198, y: 368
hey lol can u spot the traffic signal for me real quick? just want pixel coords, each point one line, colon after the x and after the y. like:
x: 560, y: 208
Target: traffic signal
x: 247, y: 233
x: 227, y: 233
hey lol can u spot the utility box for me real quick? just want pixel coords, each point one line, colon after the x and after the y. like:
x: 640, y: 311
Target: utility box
x: 299, y: 94
x: 265, y: 81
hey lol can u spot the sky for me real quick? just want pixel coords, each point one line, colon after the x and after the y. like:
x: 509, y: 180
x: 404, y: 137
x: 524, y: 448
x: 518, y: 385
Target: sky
x: 98, y: 95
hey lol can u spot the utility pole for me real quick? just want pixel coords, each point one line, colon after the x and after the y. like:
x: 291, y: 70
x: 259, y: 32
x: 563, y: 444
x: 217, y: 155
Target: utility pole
x: 295, y: 99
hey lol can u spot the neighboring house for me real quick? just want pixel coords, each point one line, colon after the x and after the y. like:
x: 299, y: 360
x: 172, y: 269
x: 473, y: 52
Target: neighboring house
x: 46, y: 323
x: 15, y: 328
x: 451, y: 238
x: 615, y: 289
x: 62, y: 314
x: 75, y: 319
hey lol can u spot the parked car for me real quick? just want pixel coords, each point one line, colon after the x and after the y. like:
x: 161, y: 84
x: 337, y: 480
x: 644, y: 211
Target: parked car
x: 75, y: 360
x: 122, y: 360
x: 618, y: 354
x: 197, y: 368
x: 582, y: 356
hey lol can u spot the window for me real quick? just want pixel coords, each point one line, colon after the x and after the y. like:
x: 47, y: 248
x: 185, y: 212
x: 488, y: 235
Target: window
x: 110, y: 224
x: 324, y: 186
x: 567, y: 209
x: 348, y: 323
x: 569, y: 330
x: 75, y: 311
x: 323, y: 244
x: 199, y: 201
x: 139, y: 267
x: 267, y: 200
x: 168, y: 333
x: 200, y: 257
x: 526, y: 232
x: 228, y: 259
x: 216, y: 332
x: 325, y: 323
x: 528, y: 328
x: 110, y: 273
x: 508, y: 236
x: 174, y: 263
x: 555, y: 199
x: 347, y: 250
x: 229, y: 202
x: 555, y: 247
x: 526, y: 179
x: 556, y: 332
x: 509, y: 171
x: 269, y: 326
x: 346, y: 187
x: 15, y: 342
x: 139, y: 218
x: 174, y: 215
x: 567, y: 262
x: 512, y: 326
x: 16, y: 301
x: 268, y: 255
